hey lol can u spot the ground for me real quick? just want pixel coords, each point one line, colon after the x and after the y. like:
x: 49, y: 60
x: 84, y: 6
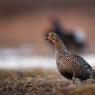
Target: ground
x: 41, y: 82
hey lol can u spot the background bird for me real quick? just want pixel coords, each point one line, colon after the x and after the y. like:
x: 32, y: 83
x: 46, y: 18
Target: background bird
x: 69, y: 38
x: 69, y: 65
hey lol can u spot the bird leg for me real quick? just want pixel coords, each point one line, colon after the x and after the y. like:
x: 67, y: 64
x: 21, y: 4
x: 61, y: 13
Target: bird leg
x: 76, y: 80
x: 73, y: 78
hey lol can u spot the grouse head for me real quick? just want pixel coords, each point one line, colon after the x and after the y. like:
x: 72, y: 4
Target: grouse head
x: 53, y: 39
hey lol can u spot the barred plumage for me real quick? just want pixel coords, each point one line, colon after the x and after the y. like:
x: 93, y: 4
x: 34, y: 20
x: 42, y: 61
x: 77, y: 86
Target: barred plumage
x: 69, y: 65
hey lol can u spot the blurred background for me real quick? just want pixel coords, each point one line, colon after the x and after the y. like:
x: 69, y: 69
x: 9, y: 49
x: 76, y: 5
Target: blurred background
x: 24, y: 23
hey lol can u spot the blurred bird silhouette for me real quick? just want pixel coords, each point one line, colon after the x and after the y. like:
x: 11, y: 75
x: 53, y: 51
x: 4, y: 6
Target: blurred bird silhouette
x: 73, y: 41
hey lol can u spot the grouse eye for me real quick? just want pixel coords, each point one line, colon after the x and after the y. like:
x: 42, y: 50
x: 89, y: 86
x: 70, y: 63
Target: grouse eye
x: 52, y: 34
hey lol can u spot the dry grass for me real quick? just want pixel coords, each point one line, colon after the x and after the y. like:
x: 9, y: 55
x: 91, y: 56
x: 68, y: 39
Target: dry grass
x: 41, y: 82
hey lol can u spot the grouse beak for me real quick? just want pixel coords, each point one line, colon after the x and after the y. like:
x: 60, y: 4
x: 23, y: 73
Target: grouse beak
x: 47, y: 37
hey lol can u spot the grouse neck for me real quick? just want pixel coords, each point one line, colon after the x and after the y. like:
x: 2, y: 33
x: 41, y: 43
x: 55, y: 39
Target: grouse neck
x: 62, y: 48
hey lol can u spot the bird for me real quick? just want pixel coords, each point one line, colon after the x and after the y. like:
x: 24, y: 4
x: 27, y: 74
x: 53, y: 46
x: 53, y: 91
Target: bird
x: 69, y: 37
x: 71, y: 66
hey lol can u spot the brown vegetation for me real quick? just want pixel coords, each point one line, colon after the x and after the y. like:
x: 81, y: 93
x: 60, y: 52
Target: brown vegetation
x: 41, y: 82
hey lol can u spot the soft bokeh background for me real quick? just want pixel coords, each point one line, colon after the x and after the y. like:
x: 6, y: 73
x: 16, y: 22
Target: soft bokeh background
x: 23, y: 24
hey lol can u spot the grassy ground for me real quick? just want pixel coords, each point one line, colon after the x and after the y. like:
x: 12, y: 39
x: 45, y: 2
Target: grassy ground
x: 41, y: 82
